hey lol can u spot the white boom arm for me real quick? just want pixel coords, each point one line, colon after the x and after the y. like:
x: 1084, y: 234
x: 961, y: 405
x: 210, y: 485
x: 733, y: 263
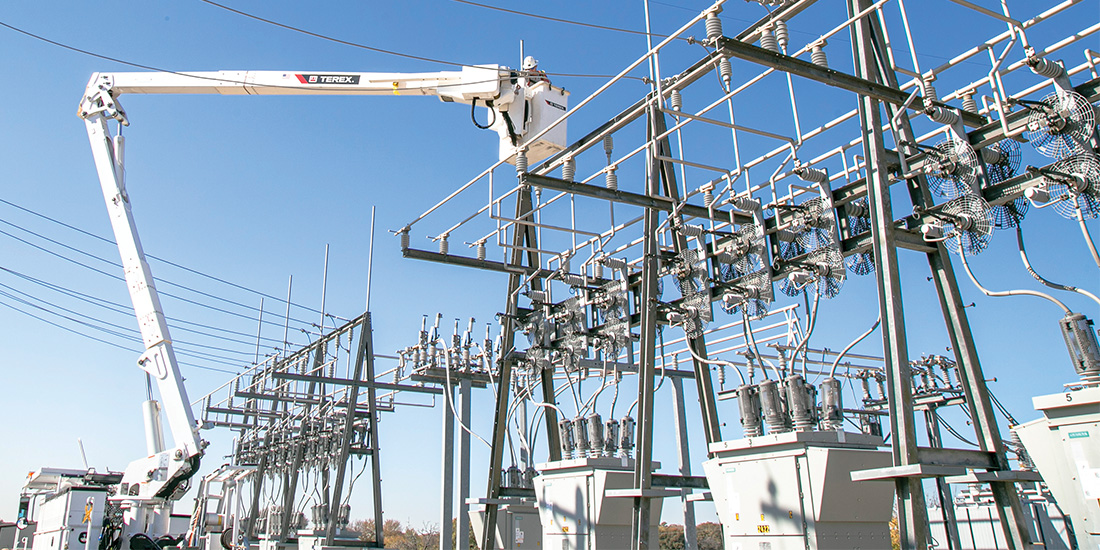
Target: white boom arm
x: 519, y: 106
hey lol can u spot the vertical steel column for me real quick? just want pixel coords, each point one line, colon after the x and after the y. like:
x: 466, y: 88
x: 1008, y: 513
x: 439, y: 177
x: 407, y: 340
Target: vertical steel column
x: 352, y: 403
x: 447, y: 475
x: 521, y: 235
x: 708, y: 405
x: 680, y: 412
x: 462, y: 542
x: 912, y: 511
x: 296, y: 464
x: 367, y: 332
x: 971, y: 376
x: 643, y: 477
x: 947, y: 502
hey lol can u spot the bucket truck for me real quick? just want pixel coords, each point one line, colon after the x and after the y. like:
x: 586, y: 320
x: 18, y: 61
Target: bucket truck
x: 522, y: 108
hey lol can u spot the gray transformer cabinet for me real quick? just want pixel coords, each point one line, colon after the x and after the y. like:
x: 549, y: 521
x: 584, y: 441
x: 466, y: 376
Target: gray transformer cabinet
x: 579, y: 507
x: 518, y: 526
x: 1064, y: 445
x: 794, y: 490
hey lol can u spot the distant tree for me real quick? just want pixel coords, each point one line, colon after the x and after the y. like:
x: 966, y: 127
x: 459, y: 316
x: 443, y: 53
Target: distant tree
x: 392, y: 531
x: 709, y: 536
x: 454, y: 537
x: 895, y: 534
x: 670, y: 537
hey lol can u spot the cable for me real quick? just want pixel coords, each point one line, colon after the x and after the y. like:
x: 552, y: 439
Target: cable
x: 112, y: 325
x: 952, y: 430
x: 164, y: 261
x: 100, y: 340
x: 129, y: 311
x: 566, y: 21
x: 384, y: 51
x: 1021, y: 292
x: 844, y: 352
x: 1041, y: 279
x: 119, y: 266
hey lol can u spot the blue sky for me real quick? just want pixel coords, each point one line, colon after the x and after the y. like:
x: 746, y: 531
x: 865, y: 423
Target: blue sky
x: 251, y: 189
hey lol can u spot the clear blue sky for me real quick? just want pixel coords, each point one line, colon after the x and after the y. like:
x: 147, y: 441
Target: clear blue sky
x: 251, y: 189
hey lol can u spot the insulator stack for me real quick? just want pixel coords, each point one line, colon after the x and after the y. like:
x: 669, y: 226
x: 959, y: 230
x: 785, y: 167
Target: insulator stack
x: 722, y: 376
x: 565, y: 431
x: 714, y: 26
x: 857, y: 210
x: 572, y: 279
x: 814, y: 175
x: 675, y: 100
x: 521, y: 161
x: 481, y: 250
x: 817, y: 55
x: 748, y: 401
x: 529, y: 478
x: 767, y: 39
x: 930, y: 94
x: 832, y: 404
x: 692, y: 230
x: 991, y: 155
x: 608, y: 146
x: 612, y: 180
x: 774, y: 407
x: 781, y: 34
x: 568, y: 169
x: 968, y: 103
x: 444, y: 245
x: 580, y: 436
x: 513, y: 477
x: 404, y: 239
x: 595, y: 435
x: 626, y: 437
x: 801, y: 398
x: 1021, y: 452
x: 1046, y: 68
x: 597, y: 270
x: 611, y: 437
x: 745, y: 203
x: 708, y: 196
x: 726, y: 71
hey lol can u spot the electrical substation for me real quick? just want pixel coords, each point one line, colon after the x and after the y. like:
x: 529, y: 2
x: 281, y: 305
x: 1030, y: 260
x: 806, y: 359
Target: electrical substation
x: 681, y: 246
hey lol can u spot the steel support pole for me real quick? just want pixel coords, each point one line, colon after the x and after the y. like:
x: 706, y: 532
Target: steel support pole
x: 521, y: 236
x: 680, y: 413
x: 447, y: 473
x: 348, y: 430
x: 462, y: 540
x: 947, y: 501
x: 982, y: 413
x: 296, y: 464
x: 708, y: 404
x: 912, y: 510
x: 643, y: 476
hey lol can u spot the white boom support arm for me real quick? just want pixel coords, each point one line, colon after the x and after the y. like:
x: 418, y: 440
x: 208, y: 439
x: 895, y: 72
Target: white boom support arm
x: 519, y: 106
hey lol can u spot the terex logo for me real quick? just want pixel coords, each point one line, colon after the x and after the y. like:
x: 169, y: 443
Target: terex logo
x: 328, y: 78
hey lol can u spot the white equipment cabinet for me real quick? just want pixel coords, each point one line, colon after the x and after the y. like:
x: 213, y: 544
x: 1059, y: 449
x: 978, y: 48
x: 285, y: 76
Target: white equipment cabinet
x: 1065, y: 447
x: 794, y: 490
x: 518, y: 526
x: 579, y: 508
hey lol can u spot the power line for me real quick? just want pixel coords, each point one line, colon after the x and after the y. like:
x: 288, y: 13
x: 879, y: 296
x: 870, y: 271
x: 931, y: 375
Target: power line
x: 124, y: 309
x: 127, y: 332
x: 109, y: 343
x: 559, y: 20
x: 396, y: 53
x: 119, y: 266
x: 120, y: 278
